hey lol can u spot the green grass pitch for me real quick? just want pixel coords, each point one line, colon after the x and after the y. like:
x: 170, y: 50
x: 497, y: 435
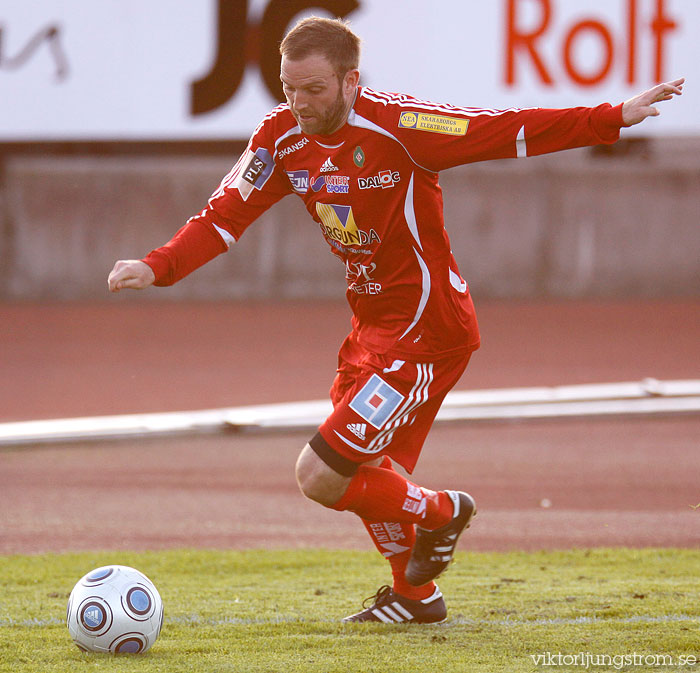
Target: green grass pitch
x: 279, y: 611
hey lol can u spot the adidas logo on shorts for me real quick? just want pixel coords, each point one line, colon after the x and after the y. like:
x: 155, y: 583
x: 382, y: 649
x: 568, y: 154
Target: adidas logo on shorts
x: 357, y: 429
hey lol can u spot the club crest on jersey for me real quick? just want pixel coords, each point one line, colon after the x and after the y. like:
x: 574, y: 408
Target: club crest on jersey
x: 376, y: 401
x: 423, y: 121
x: 338, y: 224
x: 257, y: 169
x: 358, y: 157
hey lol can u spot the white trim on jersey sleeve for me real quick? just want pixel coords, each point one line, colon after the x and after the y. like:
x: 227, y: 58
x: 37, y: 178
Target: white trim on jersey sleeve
x: 457, y: 282
x: 409, y: 102
x: 229, y: 239
x: 521, y: 144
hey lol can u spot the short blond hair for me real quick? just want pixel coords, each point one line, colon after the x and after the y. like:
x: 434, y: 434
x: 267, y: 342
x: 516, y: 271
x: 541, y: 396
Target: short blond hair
x: 331, y: 38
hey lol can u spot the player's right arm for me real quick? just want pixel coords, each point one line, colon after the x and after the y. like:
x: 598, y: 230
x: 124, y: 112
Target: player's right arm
x: 130, y: 273
x: 254, y: 184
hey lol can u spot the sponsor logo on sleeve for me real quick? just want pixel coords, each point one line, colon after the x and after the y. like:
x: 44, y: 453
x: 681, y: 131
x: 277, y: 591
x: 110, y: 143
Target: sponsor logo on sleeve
x: 257, y: 169
x: 423, y: 121
x: 408, y: 120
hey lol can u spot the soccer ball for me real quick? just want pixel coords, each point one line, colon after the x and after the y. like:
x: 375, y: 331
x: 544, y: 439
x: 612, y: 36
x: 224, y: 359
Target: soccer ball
x: 114, y: 609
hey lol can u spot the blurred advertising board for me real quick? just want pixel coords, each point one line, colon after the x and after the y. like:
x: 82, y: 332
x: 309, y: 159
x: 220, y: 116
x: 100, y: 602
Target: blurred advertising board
x: 157, y: 70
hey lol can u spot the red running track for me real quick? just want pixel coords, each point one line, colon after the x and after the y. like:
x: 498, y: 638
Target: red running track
x: 623, y: 481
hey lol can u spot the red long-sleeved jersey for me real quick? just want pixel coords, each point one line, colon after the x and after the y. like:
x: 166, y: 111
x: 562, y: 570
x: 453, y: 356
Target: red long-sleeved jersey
x: 372, y: 187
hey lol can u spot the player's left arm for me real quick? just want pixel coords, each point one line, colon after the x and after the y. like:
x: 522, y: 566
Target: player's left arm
x: 501, y: 134
x: 641, y: 106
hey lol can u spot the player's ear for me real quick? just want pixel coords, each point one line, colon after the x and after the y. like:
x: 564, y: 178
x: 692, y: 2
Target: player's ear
x: 350, y: 81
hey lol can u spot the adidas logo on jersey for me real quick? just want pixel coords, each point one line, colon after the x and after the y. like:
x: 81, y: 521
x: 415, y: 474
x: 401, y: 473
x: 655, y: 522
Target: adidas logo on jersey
x: 328, y: 166
x: 357, y: 429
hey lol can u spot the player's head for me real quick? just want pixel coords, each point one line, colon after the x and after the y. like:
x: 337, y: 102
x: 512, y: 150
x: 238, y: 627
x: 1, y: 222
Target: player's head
x: 320, y: 73
x: 331, y: 38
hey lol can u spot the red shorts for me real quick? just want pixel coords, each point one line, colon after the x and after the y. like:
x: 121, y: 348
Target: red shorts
x: 383, y: 406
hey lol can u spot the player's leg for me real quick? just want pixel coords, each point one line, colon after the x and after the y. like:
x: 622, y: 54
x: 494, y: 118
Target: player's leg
x: 399, y: 407
x: 380, y: 495
x: 372, y: 492
x: 394, y: 540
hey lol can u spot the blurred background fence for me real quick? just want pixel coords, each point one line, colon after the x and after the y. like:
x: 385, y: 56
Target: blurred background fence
x: 586, y: 223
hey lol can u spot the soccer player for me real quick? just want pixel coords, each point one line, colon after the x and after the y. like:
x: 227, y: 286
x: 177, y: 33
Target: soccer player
x: 366, y: 165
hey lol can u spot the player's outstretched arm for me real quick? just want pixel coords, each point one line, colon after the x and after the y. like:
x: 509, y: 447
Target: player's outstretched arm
x: 132, y: 274
x: 640, y: 107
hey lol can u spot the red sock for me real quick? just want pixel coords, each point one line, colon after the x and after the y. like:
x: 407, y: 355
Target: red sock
x: 394, y: 541
x: 380, y: 494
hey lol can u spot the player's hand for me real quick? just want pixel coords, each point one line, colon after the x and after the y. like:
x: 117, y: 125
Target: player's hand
x: 640, y: 107
x: 132, y: 274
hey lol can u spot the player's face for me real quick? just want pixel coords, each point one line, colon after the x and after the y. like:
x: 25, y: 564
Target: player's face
x: 319, y: 101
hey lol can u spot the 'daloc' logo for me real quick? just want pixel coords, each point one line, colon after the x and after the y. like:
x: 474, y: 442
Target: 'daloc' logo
x: 383, y: 179
x: 338, y: 224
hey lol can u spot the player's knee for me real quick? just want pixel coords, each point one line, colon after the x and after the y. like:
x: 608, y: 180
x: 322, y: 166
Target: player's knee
x: 317, y: 481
